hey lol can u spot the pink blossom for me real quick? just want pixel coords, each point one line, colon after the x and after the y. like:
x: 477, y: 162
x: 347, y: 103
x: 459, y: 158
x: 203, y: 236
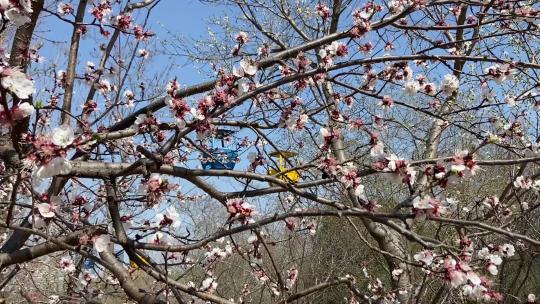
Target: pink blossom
x: 238, y: 208
x: 323, y: 11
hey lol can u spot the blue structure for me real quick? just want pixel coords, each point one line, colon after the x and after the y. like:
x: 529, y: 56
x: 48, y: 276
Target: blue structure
x: 220, y: 158
x: 89, y: 264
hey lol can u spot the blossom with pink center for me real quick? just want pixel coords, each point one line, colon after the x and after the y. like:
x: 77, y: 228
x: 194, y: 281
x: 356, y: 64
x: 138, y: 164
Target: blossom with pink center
x: 292, y: 276
x: 143, y: 53
x: 507, y: 250
x: 462, y: 163
x: 101, y: 10
x: 399, y: 169
x: 238, y: 208
x: 180, y: 109
x: 426, y: 206
x: 67, y: 264
x: 323, y: 11
x: 387, y: 102
x: 350, y: 179
x: 123, y: 21
x: 242, y: 38
x: 64, y: 9
x: 329, y: 164
x: 329, y: 136
x: 523, y: 182
x: 168, y: 218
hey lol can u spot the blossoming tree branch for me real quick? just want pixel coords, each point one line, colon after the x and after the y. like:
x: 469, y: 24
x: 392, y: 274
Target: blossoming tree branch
x: 335, y: 151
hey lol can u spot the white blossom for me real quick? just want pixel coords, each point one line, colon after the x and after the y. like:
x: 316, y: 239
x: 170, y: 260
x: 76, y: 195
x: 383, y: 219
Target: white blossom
x: 63, y: 136
x: 411, y: 87
x: 17, y: 83
x: 26, y: 109
x: 449, y: 84
x: 47, y: 210
x: 249, y: 67
x: 101, y: 242
x: 425, y: 257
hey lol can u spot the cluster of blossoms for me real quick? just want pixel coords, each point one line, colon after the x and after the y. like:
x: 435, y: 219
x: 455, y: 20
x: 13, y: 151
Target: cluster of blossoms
x: 49, y: 152
x: 361, y: 19
x: 104, y: 87
x: 122, y: 21
x: 149, y: 123
x: 461, y: 275
x: 101, y: 10
x: 82, y: 209
x: 240, y: 210
x: 246, y: 68
x: 292, y: 276
x: 255, y: 160
x: 323, y: 11
x: 397, y: 6
x: 178, y: 105
x: 141, y: 34
x: 329, y: 136
x: 302, y: 63
x: 329, y: 165
x: 399, y: 169
x: 155, y: 187
x: 526, y: 182
x: 293, y: 122
x: 215, y: 253
x: 168, y: 218
x: 448, y: 86
x: 209, y: 284
x: 463, y: 164
x: 223, y: 96
x: 335, y: 49
x: 492, y: 205
x: 427, y: 206
x: 351, y: 180
x: 500, y: 73
x: 348, y: 174
x: 295, y: 225
x: 376, y: 293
